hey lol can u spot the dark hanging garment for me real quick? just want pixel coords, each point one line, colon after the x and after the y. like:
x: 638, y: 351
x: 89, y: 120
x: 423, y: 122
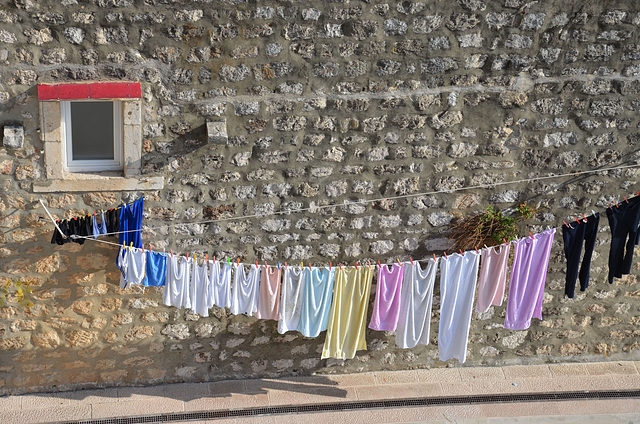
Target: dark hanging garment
x: 573, y: 237
x: 624, y: 220
x: 113, y: 221
x: 57, y: 238
x: 88, y: 225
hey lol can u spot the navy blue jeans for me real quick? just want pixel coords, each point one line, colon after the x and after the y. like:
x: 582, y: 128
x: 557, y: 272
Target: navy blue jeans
x: 573, y: 238
x: 623, y: 221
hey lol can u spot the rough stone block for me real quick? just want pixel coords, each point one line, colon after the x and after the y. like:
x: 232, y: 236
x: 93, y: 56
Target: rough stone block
x: 13, y: 136
x: 217, y: 132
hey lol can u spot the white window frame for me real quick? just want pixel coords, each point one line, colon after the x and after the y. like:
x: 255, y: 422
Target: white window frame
x: 98, y: 165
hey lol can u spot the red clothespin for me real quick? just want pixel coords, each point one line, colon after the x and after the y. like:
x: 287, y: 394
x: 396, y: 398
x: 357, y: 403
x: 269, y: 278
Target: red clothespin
x: 531, y: 235
x: 609, y: 203
x: 476, y: 247
x: 577, y: 220
x: 150, y: 248
x: 616, y: 203
x: 585, y: 218
x: 329, y: 266
x: 256, y: 263
x: 238, y: 264
x: 505, y: 241
x: 340, y: 266
x: 379, y: 264
x: 461, y: 252
x: 285, y: 264
x: 637, y: 194
x: 206, y: 257
x: 214, y: 259
x: 265, y: 264
x: 187, y: 255
x: 434, y: 257
x: 411, y: 259
x: 445, y: 255
x: 565, y: 223
x: 356, y: 265
x: 625, y: 199
x: 309, y: 266
x: 172, y: 253
x: 142, y: 247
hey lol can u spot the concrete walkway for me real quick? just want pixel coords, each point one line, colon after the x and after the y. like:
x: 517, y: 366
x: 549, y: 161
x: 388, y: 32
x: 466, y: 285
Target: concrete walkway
x: 385, y: 385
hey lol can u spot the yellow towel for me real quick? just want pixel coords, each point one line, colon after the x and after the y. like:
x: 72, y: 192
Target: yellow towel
x: 347, y: 320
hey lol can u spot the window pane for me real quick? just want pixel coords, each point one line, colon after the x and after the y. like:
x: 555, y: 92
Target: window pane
x: 92, y: 130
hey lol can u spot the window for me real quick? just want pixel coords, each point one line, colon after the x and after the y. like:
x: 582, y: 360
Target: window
x: 92, y: 138
x: 92, y: 135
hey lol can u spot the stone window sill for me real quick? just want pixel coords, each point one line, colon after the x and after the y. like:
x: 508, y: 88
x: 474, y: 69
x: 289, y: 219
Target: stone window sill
x: 98, y: 182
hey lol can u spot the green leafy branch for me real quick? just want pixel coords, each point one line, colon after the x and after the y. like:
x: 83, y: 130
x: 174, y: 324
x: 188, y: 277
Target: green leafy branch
x: 19, y: 290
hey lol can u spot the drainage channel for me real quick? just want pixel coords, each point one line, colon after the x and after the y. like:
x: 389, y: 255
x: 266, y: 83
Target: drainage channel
x: 352, y: 406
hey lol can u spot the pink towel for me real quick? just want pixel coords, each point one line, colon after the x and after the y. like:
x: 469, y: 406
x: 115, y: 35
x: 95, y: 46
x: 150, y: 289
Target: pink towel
x: 269, y: 294
x: 386, y: 307
x: 493, y: 276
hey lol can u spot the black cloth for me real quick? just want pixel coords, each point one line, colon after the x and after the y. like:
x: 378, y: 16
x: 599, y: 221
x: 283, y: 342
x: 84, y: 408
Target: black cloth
x: 113, y: 221
x: 57, y: 238
x: 624, y: 220
x: 573, y: 238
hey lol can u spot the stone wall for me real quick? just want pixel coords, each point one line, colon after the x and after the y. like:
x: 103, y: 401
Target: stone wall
x: 321, y: 102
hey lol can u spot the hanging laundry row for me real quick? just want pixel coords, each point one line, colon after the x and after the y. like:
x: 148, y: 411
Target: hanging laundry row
x: 124, y: 221
x: 314, y: 299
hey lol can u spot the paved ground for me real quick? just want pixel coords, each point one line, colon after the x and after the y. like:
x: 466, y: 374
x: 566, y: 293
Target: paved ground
x: 225, y: 395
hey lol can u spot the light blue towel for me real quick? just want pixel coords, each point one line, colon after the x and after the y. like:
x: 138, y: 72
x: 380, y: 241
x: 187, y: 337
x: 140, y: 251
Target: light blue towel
x: 156, y: 269
x: 317, y: 295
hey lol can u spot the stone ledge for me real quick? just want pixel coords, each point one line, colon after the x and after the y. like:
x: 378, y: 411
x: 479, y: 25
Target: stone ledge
x: 99, y: 183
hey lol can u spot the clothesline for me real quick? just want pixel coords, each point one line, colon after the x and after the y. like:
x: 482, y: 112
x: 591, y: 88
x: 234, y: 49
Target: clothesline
x: 364, y: 201
x: 387, y: 264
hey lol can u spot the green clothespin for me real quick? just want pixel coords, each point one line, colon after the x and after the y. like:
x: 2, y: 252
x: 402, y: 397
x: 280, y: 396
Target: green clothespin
x: 228, y: 261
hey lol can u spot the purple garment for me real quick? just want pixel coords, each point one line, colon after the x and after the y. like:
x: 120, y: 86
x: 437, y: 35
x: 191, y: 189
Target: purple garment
x: 386, y: 307
x: 528, y: 275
